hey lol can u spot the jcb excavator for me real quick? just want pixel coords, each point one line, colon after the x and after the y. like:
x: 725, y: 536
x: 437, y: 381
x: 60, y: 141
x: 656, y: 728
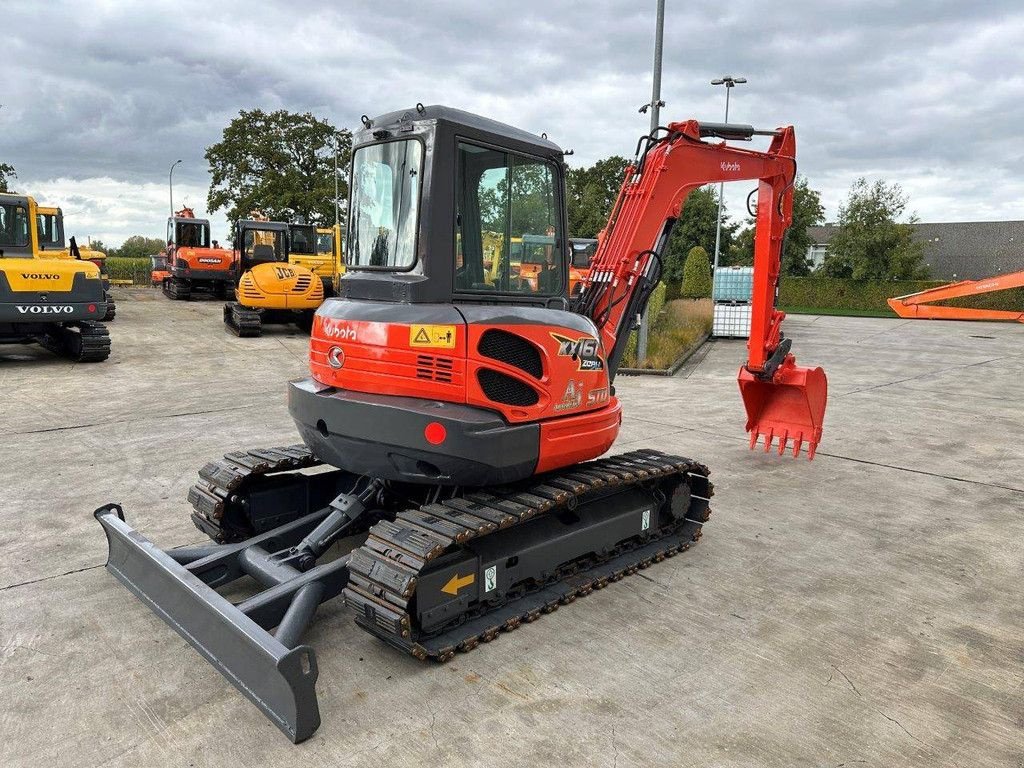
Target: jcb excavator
x: 270, y: 288
x: 463, y: 420
x: 55, y: 302
x: 50, y: 223
x: 193, y: 265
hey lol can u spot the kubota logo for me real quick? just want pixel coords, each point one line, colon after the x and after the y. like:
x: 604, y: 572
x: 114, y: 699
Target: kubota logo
x: 729, y: 166
x: 338, y: 331
x: 36, y: 309
x: 39, y: 276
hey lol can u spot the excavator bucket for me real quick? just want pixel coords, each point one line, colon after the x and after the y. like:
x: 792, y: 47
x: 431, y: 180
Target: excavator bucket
x: 788, y: 409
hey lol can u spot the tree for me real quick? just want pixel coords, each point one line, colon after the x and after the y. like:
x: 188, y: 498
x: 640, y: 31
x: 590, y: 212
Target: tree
x: 281, y: 163
x: 138, y: 247
x: 697, y: 274
x: 591, y: 193
x: 696, y: 227
x: 6, y: 171
x: 869, y: 243
x: 807, y: 212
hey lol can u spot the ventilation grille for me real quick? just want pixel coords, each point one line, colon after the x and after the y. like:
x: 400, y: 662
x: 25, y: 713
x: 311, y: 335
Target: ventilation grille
x: 434, y: 368
x: 302, y: 283
x: 249, y: 289
x: 504, y: 389
x: 512, y: 350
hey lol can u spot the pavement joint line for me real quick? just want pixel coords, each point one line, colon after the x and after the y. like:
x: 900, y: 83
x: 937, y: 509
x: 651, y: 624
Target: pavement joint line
x: 820, y: 452
x: 225, y: 409
x: 52, y: 576
x: 923, y: 375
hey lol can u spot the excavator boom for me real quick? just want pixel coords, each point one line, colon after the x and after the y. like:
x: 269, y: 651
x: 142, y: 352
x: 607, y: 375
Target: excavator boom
x: 921, y: 304
x: 784, y: 402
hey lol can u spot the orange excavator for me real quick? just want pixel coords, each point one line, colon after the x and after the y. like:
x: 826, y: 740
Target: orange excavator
x: 920, y: 305
x: 191, y: 264
x: 455, y: 420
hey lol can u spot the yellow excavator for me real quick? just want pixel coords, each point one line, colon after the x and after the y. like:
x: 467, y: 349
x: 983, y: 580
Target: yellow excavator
x: 50, y: 226
x: 271, y: 288
x: 54, y: 302
x: 318, y: 249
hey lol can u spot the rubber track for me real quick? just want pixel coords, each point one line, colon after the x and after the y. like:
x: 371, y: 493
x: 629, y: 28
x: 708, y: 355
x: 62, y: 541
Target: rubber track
x: 242, y: 321
x: 225, y: 482
x: 384, y: 571
x: 175, y: 288
x: 111, y: 309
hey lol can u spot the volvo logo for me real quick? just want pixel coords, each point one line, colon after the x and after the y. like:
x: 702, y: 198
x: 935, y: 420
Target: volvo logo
x: 336, y: 357
x: 35, y: 309
x: 39, y: 276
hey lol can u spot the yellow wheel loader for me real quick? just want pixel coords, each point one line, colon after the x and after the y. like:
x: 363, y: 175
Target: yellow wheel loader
x: 50, y: 231
x: 54, y: 302
x: 270, y: 289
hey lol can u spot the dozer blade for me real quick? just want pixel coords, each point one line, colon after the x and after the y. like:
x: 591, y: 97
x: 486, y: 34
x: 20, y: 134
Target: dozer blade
x: 277, y: 679
x: 788, y: 409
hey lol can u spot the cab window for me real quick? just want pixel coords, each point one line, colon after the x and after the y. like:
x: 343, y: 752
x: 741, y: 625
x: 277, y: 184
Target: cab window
x: 507, y: 231
x: 13, y: 225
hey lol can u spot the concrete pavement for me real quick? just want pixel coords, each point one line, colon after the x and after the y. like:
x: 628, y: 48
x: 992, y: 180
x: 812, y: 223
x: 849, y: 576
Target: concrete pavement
x: 864, y: 608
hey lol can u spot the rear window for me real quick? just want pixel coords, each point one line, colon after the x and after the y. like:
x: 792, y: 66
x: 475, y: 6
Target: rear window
x: 13, y: 225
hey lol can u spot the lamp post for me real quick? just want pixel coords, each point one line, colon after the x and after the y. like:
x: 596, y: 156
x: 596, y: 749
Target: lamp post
x: 170, y: 183
x: 655, y: 107
x: 729, y: 82
x: 336, y: 214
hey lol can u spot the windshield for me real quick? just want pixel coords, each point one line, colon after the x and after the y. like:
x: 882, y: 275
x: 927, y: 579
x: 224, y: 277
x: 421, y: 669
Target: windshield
x: 582, y: 252
x: 264, y: 245
x: 13, y: 225
x: 193, y: 235
x: 51, y: 234
x: 325, y: 242
x: 303, y: 239
x: 385, y: 204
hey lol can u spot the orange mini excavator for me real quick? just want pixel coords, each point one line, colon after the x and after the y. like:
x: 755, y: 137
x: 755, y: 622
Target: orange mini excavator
x: 920, y: 305
x: 456, y: 419
x: 192, y: 265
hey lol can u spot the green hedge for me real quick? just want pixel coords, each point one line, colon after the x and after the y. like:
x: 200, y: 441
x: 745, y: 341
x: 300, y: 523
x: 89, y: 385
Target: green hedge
x: 869, y: 296
x: 136, y: 270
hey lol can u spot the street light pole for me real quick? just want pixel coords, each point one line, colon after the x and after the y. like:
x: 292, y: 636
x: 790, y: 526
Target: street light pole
x: 336, y: 215
x: 729, y: 83
x: 170, y: 184
x: 655, y: 107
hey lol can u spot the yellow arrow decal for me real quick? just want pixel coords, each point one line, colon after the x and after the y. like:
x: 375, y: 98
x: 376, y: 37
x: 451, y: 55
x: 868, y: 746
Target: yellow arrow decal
x: 456, y: 582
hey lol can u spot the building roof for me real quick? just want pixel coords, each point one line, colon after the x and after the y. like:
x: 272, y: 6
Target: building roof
x: 960, y: 249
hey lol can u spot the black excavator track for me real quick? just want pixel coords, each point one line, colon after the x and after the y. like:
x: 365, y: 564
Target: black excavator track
x: 250, y: 492
x: 176, y: 288
x: 243, y: 321
x: 83, y: 341
x: 111, y: 308
x: 428, y: 548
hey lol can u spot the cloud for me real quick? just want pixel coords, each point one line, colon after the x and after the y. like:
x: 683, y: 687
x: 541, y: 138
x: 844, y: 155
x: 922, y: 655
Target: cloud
x: 101, y: 97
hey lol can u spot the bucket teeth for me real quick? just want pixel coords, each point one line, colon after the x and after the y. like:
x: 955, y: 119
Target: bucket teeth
x: 786, y: 439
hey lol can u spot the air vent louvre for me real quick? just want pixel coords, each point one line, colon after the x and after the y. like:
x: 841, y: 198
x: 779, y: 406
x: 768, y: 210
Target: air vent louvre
x: 502, y: 388
x: 512, y: 350
x: 434, y: 368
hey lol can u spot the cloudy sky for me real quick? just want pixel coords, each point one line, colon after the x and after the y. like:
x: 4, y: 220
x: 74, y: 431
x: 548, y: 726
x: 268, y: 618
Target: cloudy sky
x: 99, y: 98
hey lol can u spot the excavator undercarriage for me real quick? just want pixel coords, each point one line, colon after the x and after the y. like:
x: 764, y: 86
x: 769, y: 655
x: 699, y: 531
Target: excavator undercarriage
x: 408, y: 567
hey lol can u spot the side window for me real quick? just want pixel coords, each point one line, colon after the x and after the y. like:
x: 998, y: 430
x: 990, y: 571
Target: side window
x: 507, y: 237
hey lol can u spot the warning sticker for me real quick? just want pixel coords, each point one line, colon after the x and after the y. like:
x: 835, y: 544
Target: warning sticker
x: 438, y: 336
x: 645, y: 520
x: 491, y: 579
